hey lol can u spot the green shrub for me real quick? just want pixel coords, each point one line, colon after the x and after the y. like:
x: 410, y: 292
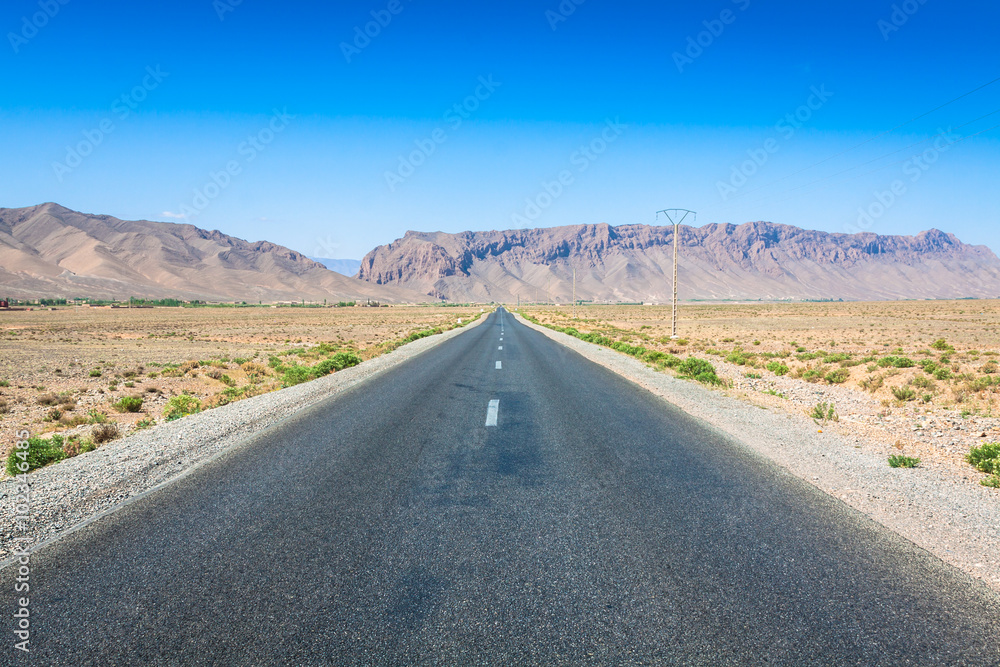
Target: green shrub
x: 942, y: 374
x: 904, y: 393
x: 896, y: 362
x: 824, y: 412
x: 836, y: 358
x: 985, y: 458
x: 777, y: 368
x: 700, y: 370
x: 942, y: 345
x: 38, y: 452
x: 900, y: 461
x: 993, y: 481
x: 96, y: 373
x: 296, y: 375
x: 181, y: 406
x: 337, y: 362
x: 739, y: 357
x: 129, y: 404
x: 839, y: 376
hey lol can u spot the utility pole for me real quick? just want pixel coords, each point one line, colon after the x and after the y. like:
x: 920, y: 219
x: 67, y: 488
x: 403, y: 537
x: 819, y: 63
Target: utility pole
x: 676, y: 216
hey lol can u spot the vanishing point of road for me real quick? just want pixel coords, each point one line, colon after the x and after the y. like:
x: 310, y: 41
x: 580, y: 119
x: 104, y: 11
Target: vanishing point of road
x: 496, y: 500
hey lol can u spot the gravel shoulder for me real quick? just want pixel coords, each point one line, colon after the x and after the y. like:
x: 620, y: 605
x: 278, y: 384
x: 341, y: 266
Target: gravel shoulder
x: 956, y: 521
x: 68, y: 494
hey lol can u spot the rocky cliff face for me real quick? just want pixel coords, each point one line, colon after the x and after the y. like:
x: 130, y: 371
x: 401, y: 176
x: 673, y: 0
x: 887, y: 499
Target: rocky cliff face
x: 49, y: 251
x: 755, y: 260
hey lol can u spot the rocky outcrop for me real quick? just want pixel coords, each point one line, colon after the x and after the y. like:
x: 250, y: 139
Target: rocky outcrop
x: 755, y: 260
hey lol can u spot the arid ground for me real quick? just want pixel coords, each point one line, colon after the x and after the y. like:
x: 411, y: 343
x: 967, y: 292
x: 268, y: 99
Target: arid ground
x: 918, y: 378
x: 64, y: 371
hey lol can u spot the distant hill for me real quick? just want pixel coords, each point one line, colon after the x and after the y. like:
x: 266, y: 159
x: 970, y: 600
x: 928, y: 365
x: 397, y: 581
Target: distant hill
x: 345, y: 267
x: 49, y: 251
x: 755, y: 260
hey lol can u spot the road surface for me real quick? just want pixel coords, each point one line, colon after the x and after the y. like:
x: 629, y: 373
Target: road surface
x: 496, y: 502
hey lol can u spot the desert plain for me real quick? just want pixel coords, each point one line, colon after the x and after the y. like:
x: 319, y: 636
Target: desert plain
x: 906, y: 378
x: 78, y: 371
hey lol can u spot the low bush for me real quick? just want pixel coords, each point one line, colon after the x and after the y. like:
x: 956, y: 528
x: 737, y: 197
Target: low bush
x: 739, y: 357
x: 700, y: 370
x: 900, y: 461
x: 296, y: 374
x: 985, y: 458
x: 839, y: 376
x: 37, y: 453
x: 181, y: 406
x: 904, y: 393
x: 824, y: 412
x: 129, y: 404
x: 777, y: 368
x: 873, y: 383
x: 104, y: 433
x: 942, y: 345
x: 896, y: 362
x: 943, y: 374
x: 255, y: 372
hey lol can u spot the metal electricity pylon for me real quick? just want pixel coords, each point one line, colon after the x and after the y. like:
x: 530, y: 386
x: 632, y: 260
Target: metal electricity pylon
x: 676, y: 216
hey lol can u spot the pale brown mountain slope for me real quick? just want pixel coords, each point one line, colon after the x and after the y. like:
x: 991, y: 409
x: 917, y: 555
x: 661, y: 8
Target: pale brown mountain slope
x: 755, y: 260
x: 49, y: 251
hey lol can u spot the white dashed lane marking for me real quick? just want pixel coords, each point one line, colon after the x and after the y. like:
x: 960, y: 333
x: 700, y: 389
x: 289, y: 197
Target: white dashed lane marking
x: 492, y: 411
x: 499, y: 365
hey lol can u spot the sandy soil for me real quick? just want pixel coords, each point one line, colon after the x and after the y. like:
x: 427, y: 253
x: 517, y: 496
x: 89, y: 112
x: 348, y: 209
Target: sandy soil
x: 63, y: 370
x: 936, y: 409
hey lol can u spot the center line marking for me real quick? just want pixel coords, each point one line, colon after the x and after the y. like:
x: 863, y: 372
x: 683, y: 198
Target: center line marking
x: 491, y: 412
x: 500, y: 348
x: 499, y: 365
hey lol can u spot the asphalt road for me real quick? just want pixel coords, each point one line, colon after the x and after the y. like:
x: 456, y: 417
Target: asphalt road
x: 592, y: 524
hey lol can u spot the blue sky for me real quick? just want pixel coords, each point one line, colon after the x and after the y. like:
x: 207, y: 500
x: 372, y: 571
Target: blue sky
x: 254, y: 118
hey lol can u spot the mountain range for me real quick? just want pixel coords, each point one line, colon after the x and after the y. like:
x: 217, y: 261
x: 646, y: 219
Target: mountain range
x: 755, y: 260
x: 49, y: 251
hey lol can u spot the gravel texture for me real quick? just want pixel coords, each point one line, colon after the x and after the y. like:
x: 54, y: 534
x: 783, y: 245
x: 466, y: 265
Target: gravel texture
x: 68, y: 494
x: 930, y: 505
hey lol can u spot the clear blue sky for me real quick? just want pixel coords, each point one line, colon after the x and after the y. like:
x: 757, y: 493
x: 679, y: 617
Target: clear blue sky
x: 201, y: 93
